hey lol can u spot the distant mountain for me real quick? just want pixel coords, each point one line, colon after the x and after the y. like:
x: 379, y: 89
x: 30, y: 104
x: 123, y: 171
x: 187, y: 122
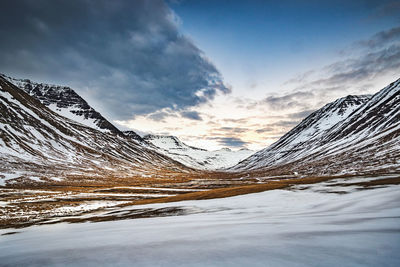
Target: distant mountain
x: 66, y: 102
x: 38, y: 144
x: 351, y: 134
x: 195, y: 157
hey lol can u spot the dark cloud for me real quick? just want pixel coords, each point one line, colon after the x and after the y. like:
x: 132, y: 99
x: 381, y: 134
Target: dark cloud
x: 382, y: 56
x: 382, y: 38
x: 193, y: 115
x: 127, y: 55
x: 233, y: 129
x: 230, y: 141
x: 362, y: 68
x: 280, y: 126
x: 286, y: 123
x: 242, y: 120
x: 291, y: 100
x: 300, y: 115
x: 391, y: 8
x: 158, y: 116
x: 377, y: 57
x: 265, y: 130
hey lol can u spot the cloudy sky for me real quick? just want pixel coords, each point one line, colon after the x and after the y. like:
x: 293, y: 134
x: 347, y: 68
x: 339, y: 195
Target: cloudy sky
x: 214, y: 73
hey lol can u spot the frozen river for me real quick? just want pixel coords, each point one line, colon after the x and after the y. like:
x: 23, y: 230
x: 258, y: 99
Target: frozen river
x: 318, y: 225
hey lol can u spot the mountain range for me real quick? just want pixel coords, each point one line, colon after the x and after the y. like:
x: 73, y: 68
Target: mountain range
x: 50, y: 133
x: 66, y: 102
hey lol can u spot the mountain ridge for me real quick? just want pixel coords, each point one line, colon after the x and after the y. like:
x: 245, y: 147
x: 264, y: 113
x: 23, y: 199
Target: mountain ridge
x: 309, y: 131
x: 343, y: 142
x: 37, y: 144
x: 66, y: 102
x: 338, y: 128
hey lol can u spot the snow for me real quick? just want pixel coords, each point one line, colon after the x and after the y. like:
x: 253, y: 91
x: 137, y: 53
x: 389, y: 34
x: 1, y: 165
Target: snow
x: 274, y: 228
x: 8, y: 176
x: 305, y: 137
x: 365, y: 120
x: 194, y: 157
x: 158, y: 188
x: 68, y: 113
x: 93, y: 205
x: 38, y: 140
x: 45, y: 138
x: 36, y: 179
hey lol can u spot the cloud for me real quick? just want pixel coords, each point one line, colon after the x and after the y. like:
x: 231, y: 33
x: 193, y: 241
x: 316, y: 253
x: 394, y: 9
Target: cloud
x: 230, y: 141
x: 127, y: 55
x: 362, y: 68
x: 158, y: 115
x: 382, y: 55
x: 382, y: 38
x: 265, y: 130
x: 286, y: 123
x: 300, y: 78
x: 193, y: 115
x: 391, y: 8
x: 374, y: 58
x: 230, y: 120
x: 301, y: 114
x: 288, y: 101
x: 233, y: 130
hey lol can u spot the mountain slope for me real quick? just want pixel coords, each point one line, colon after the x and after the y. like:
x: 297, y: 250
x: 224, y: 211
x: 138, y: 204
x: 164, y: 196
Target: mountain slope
x: 306, y: 135
x: 194, y: 157
x: 132, y: 135
x: 349, y: 135
x: 37, y: 144
x: 66, y: 102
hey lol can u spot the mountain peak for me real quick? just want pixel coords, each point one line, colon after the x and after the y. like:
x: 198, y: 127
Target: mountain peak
x: 31, y: 133
x: 352, y: 123
x: 66, y: 102
x: 342, y: 104
x: 308, y: 132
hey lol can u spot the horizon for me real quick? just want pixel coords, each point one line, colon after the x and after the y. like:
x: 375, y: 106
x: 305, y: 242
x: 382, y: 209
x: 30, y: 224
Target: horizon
x: 213, y: 73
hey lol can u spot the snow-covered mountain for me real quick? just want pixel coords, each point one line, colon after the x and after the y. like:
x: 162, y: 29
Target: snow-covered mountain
x: 37, y: 144
x: 133, y: 135
x: 307, y: 135
x: 195, y: 157
x: 51, y: 130
x: 351, y: 134
x: 66, y: 102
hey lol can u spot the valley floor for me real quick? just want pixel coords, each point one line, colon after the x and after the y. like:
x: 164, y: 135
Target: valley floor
x: 44, y: 203
x: 352, y: 221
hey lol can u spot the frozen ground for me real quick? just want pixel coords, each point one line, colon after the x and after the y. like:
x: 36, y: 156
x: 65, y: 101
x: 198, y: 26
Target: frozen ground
x: 316, y: 225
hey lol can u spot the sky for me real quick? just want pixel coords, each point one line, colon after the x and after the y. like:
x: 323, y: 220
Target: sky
x: 222, y: 73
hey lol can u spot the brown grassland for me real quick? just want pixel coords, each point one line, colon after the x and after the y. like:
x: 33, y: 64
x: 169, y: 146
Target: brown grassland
x: 40, y: 202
